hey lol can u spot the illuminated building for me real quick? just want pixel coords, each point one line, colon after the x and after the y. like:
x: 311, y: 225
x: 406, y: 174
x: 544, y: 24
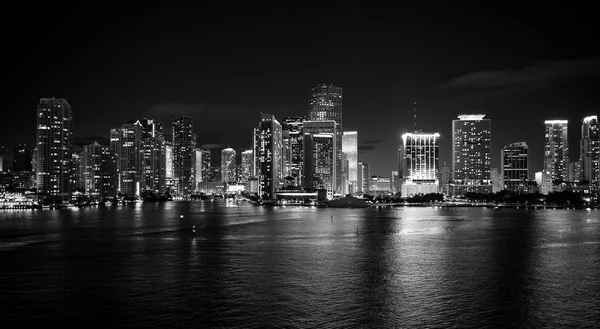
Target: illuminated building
x: 380, y: 185
x: 228, y: 164
x: 471, y: 154
x: 247, y: 165
x: 126, y: 143
x: 350, y: 149
x: 320, y: 164
x: 446, y: 178
x: 419, y: 163
x: 574, y: 173
x: 590, y: 151
x: 292, y: 146
x: 496, y: 179
x: 394, y: 181
x: 515, y: 167
x: 364, y: 177
x: 75, y: 172
x: 270, y: 155
x: 99, y: 175
x: 556, y: 154
x: 325, y: 103
x: 184, y: 143
x: 53, y: 148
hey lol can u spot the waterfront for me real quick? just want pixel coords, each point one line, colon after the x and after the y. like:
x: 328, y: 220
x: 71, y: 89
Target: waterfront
x: 247, y: 266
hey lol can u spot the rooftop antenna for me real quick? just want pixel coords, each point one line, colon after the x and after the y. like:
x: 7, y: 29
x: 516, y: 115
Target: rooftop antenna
x: 415, y: 117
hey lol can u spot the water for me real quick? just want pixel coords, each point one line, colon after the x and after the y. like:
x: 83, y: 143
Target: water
x: 255, y: 267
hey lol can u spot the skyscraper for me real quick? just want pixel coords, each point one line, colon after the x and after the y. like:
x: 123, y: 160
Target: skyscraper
x: 270, y: 155
x: 515, y: 167
x: 228, y: 164
x: 293, y: 147
x: 320, y: 149
x: 325, y: 103
x: 364, y: 177
x: 350, y: 148
x: 471, y: 154
x: 126, y: 143
x: 99, y: 176
x: 419, y: 163
x: 590, y: 151
x: 183, y: 155
x: 247, y: 165
x: 556, y: 154
x: 53, y: 148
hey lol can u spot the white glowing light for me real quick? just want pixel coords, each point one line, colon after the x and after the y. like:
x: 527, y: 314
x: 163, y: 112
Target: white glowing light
x: 469, y: 117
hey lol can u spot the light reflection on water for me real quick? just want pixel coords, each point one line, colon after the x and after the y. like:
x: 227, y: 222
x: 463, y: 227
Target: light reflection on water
x: 141, y: 265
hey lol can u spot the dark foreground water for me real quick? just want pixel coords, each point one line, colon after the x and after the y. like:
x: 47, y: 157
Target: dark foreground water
x: 255, y: 267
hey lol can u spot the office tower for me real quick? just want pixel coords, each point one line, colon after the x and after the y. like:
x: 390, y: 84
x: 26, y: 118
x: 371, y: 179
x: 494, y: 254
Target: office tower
x: 419, y: 163
x: 151, y: 128
x: 126, y: 143
x: 319, y: 161
x: 292, y: 146
x: 471, y: 154
x: 76, y: 173
x: 228, y: 164
x: 515, y: 167
x: 446, y: 178
x: 325, y: 103
x: 270, y: 153
x: 380, y: 185
x: 247, y: 165
x: 198, y: 164
x: 556, y: 154
x: 98, y: 174
x: 364, y: 177
x: 154, y: 163
x: 394, y: 181
x: 53, y: 148
x: 350, y: 148
x: 496, y: 180
x: 206, y: 165
x: 574, y: 172
x: 323, y: 170
x: 590, y: 152
x: 183, y: 155
x: 22, y: 156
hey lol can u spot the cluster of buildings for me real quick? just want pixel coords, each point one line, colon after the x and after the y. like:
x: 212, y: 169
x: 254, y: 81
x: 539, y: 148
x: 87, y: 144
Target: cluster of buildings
x: 297, y: 156
x: 471, y: 171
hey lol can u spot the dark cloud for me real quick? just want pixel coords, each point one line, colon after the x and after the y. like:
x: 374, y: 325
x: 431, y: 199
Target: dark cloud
x: 174, y: 109
x: 374, y: 141
x: 540, y: 75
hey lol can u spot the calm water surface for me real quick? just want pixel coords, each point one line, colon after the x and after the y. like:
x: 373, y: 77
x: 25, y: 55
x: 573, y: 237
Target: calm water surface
x: 255, y: 267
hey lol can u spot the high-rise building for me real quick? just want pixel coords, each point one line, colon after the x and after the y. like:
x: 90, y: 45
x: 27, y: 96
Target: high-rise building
x: 293, y: 137
x: 247, y: 165
x: 322, y: 171
x: 325, y: 103
x: 590, y: 151
x: 6, y: 160
x: 419, y: 163
x: 350, y: 148
x: 364, y: 177
x: 515, y: 167
x: 228, y: 165
x: 126, y: 143
x: 496, y: 179
x: 471, y: 154
x: 99, y: 172
x: 556, y: 154
x: 319, y: 161
x: 154, y: 163
x: 394, y: 181
x: 446, y: 178
x: 76, y: 172
x: 574, y: 172
x: 270, y: 155
x: 183, y: 155
x: 380, y: 185
x: 53, y: 148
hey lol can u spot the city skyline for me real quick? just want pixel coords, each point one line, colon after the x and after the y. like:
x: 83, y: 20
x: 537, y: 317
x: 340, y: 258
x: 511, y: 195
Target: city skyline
x: 553, y: 75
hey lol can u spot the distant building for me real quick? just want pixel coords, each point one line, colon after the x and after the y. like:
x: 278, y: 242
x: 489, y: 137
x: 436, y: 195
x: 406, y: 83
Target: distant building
x: 53, y: 148
x: 293, y: 136
x: 126, y: 143
x: 228, y: 164
x: 515, y: 167
x: 446, y: 178
x: 99, y: 173
x: 380, y: 185
x: 320, y: 163
x: 471, y: 154
x: 247, y: 165
x: 350, y: 149
x: 419, y: 163
x: 270, y: 155
x: 394, y: 181
x: 364, y: 177
x: 496, y: 178
x: 556, y: 154
x: 590, y: 151
x: 325, y: 104
x: 574, y: 173
x: 538, y: 178
x: 184, y: 144
x: 22, y: 158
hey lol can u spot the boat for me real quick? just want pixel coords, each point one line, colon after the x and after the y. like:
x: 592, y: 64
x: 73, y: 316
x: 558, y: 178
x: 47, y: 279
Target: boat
x: 347, y: 202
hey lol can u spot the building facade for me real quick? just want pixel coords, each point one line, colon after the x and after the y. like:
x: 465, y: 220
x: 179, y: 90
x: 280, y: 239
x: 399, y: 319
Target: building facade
x: 471, y: 154
x: 325, y: 103
x: 556, y: 154
x: 419, y: 163
x: 228, y: 164
x: 53, y: 148
x: 269, y: 156
x: 293, y: 137
x: 184, y: 143
x: 590, y: 152
x: 247, y: 166
x: 350, y: 149
x: 515, y: 167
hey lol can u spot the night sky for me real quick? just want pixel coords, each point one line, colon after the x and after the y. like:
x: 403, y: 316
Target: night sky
x: 519, y: 63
